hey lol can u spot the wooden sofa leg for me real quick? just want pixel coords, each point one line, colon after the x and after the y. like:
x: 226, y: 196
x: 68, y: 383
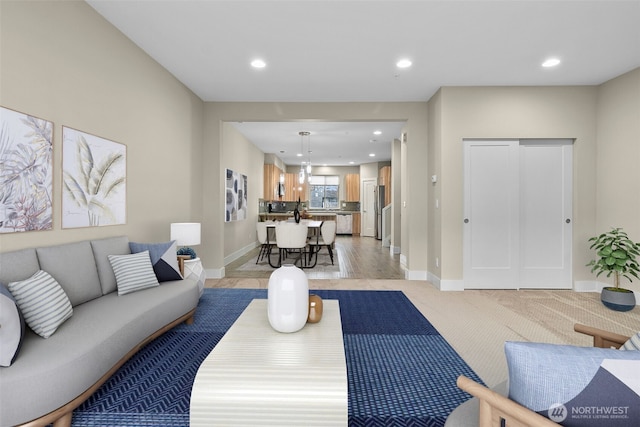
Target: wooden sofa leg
x: 63, y: 421
x: 189, y: 321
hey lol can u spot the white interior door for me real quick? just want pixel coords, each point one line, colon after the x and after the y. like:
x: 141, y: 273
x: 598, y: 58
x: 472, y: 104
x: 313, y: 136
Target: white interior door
x: 490, y: 227
x: 545, y: 214
x: 368, y: 208
x: 517, y: 230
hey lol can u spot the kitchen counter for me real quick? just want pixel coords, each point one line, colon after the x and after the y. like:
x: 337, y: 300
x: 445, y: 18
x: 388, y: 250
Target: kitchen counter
x: 320, y: 216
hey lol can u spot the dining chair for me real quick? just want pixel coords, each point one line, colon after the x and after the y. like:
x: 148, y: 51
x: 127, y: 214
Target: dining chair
x: 291, y: 237
x: 326, y: 237
x: 266, y: 239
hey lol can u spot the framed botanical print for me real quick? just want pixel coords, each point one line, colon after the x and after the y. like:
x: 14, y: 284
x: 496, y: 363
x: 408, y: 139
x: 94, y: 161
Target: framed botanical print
x: 94, y: 177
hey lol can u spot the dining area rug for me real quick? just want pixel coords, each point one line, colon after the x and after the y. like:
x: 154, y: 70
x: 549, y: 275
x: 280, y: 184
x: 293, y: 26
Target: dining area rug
x: 400, y: 370
x: 323, y: 264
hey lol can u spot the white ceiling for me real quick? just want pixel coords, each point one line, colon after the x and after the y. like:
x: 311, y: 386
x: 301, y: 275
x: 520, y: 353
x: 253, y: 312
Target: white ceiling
x: 345, y: 51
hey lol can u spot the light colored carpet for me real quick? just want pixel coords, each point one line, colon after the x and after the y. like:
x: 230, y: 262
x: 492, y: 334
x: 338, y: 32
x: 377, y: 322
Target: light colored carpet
x: 478, y: 322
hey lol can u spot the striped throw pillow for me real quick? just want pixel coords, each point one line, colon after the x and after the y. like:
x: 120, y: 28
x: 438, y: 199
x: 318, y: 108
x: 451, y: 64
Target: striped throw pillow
x: 43, y: 302
x: 632, y: 343
x: 133, y: 272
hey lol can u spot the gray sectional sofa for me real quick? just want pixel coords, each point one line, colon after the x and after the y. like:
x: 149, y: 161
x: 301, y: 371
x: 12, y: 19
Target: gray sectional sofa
x: 51, y: 377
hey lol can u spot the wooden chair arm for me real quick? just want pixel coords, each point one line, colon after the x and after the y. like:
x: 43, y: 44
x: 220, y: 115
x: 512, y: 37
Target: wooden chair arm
x: 601, y: 338
x: 494, y: 407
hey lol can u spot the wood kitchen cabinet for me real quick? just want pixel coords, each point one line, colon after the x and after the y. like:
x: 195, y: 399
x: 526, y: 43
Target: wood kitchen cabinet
x: 355, y: 225
x: 384, y: 178
x: 293, y: 189
x: 271, y: 182
x: 352, y: 184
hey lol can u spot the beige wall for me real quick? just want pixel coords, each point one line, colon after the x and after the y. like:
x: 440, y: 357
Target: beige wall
x: 618, y: 151
x: 240, y: 155
x: 515, y: 112
x: 63, y: 62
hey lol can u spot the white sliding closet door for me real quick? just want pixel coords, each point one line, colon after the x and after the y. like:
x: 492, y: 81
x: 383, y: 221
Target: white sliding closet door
x: 517, y: 214
x: 490, y: 219
x: 545, y: 214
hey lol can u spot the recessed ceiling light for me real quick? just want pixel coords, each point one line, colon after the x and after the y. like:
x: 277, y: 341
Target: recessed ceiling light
x: 351, y: 163
x: 551, y: 62
x: 258, y: 63
x: 372, y: 154
x: 299, y: 155
x: 403, y: 63
x: 377, y: 132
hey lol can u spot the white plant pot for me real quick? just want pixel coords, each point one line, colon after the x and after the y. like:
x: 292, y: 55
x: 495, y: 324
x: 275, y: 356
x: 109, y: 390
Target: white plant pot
x: 288, y: 299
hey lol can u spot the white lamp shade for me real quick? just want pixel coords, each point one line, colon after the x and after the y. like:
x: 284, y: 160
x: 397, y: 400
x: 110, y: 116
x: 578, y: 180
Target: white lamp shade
x: 185, y: 233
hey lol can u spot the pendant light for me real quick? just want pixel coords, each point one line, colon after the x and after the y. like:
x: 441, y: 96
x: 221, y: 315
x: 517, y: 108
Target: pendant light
x: 301, y: 175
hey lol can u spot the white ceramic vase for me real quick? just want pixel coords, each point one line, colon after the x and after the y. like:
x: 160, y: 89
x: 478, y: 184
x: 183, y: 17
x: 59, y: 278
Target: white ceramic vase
x: 288, y: 299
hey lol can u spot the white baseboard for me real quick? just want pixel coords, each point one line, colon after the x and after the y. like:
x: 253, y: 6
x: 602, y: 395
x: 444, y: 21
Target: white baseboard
x: 415, y: 275
x: 452, y: 285
x: 587, y: 286
x: 240, y: 252
x: 395, y: 250
x: 214, y: 273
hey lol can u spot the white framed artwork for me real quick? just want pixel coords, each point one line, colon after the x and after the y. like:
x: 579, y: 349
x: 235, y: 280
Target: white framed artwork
x: 26, y: 172
x: 93, y: 180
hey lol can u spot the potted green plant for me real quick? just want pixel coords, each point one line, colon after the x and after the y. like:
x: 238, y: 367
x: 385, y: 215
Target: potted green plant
x: 616, y: 255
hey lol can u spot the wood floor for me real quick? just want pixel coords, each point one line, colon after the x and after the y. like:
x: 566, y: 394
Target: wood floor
x: 358, y: 258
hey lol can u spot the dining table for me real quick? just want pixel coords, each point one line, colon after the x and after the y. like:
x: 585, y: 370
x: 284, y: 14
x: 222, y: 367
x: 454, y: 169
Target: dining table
x: 314, y: 231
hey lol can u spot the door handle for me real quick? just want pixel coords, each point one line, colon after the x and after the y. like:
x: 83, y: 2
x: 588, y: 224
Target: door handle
x: 466, y: 220
x: 568, y: 221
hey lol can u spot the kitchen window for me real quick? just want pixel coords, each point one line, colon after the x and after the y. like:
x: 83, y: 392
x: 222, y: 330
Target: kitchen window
x: 323, y: 191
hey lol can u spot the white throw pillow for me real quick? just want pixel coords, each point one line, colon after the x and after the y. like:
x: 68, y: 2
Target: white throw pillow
x: 133, y: 272
x: 43, y: 302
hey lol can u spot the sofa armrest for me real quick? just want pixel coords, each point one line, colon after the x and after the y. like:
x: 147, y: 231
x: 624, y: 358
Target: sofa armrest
x: 495, y: 407
x: 601, y: 338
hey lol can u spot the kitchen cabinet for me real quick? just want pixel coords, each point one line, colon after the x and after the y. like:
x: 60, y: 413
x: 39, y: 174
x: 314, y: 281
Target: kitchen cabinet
x: 352, y: 187
x: 355, y: 224
x: 272, y: 183
x: 384, y: 178
x: 293, y: 189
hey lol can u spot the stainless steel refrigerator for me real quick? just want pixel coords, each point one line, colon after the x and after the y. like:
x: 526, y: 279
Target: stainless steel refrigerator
x: 379, y: 204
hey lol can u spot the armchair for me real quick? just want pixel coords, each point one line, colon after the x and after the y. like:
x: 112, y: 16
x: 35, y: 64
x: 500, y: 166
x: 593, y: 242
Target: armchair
x: 492, y: 407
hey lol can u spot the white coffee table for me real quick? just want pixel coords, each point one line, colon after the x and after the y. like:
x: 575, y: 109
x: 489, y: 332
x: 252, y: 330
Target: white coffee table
x: 256, y: 376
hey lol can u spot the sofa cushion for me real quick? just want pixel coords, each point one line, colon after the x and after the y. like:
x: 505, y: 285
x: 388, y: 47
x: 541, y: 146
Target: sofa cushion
x: 74, y: 268
x: 163, y: 258
x: 133, y: 272
x: 575, y: 386
x: 18, y: 265
x: 43, y: 303
x: 102, y: 248
x: 11, y: 327
x: 632, y: 343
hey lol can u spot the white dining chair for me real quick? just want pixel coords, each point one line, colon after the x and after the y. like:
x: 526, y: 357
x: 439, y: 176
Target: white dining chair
x: 291, y: 237
x: 325, y: 237
x: 266, y: 240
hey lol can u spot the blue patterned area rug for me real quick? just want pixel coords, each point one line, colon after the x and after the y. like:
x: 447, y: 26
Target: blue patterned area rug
x: 401, y: 371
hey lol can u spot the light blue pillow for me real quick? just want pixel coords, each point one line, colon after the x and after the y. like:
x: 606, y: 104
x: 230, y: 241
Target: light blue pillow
x: 11, y: 327
x: 576, y: 386
x: 163, y: 258
x: 133, y: 272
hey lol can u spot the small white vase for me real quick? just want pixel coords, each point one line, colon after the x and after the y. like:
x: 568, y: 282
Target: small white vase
x: 288, y: 299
